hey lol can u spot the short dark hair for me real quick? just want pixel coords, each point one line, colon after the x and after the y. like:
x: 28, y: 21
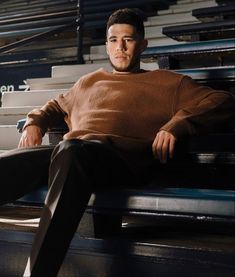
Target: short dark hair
x: 127, y: 16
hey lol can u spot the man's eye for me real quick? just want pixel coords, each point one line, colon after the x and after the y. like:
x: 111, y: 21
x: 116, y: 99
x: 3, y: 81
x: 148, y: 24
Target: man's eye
x: 128, y: 39
x: 112, y: 40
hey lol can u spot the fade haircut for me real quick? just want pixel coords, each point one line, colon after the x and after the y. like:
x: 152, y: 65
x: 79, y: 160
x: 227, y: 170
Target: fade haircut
x: 127, y: 16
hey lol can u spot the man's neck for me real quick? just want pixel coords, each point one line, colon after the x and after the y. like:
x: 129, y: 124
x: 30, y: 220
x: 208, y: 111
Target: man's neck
x: 134, y: 70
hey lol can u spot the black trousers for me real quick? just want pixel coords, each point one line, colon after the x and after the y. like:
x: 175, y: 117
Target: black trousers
x: 76, y: 168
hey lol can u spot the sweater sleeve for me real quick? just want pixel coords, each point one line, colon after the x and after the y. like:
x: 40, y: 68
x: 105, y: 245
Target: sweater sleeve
x: 54, y: 111
x: 199, y: 109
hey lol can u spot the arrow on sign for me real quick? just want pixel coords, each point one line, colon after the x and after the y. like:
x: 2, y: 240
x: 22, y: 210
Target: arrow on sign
x: 25, y: 87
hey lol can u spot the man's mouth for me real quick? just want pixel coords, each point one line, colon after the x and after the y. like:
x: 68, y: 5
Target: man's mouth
x: 120, y: 57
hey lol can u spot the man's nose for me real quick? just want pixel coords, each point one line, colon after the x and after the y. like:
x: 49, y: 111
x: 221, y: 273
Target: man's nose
x: 121, y: 45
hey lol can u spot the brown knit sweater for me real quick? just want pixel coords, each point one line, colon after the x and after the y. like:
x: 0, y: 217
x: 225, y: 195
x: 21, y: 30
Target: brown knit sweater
x: 129, y: 109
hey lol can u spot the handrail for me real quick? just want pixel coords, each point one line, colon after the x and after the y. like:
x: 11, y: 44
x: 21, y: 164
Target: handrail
x: 24, y: 41
x: 36, y: 6
x: 37, y: 16
x: 78, y: 23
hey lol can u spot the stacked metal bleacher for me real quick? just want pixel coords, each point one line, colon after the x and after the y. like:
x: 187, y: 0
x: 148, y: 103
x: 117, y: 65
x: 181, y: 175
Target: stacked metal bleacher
x: 185, y: 226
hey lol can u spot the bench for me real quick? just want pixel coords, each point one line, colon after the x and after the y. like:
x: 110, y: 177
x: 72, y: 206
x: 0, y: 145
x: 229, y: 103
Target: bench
x: 201, y: 31
x: 192, y: 54
x: 192, y: 185
x: 215, y: 13
x: 216, y: 77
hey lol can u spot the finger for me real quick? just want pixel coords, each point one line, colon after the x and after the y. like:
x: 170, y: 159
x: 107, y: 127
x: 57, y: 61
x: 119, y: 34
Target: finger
x: 172, y: 147
x: 165, y: 149
x: 21, y: 142
x: 159, y: 147
x: 154, y: 146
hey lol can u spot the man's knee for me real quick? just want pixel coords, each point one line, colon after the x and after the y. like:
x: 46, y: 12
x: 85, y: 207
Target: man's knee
x: 77, y: 149
x: 66, y: 149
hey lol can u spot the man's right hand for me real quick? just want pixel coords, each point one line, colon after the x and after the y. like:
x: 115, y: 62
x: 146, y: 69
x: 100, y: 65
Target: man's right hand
x: 31, y: 136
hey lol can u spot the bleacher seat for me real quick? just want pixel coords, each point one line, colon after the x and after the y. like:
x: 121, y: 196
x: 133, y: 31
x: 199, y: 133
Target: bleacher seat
x: 215, y: 13
x: 202, y: 31
x: 193, y: 55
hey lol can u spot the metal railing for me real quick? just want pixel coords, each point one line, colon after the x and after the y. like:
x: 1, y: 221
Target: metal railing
x: 78, y: 23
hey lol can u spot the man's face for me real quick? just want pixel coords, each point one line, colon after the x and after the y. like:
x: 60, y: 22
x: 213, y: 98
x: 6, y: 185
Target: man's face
x: 124, y: 47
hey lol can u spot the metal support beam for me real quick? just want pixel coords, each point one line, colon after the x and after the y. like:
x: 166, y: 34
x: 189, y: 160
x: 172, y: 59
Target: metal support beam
x: 80, y: 29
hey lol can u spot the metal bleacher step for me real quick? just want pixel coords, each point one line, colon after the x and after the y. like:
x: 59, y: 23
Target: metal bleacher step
x: 9, y: 137
x: 78, y: 69
x: 170, y: 19
x: 153, y: 32
x: 51, y: 83
x: 187, y: 7
x: 29, y: 98
x: 166, y: 256
x: 122, y: 257
x: 10, y: 115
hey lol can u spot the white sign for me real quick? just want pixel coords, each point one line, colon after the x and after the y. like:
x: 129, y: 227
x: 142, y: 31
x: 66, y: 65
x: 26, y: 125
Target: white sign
x: 8, y: 88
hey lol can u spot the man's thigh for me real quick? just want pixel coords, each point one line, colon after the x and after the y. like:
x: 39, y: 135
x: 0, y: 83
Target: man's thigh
x: 23, y: 170
x: 102, y: 164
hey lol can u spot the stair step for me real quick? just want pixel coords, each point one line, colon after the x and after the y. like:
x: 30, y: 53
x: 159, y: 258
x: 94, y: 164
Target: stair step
x: 166, y: 256
x: 52, y: 83
x: 10, y: 115
x: 170, y: 19
x: 162, y: 41
x: 32, y: 98
x: 9, y: 137
x: 174, y: 9
x: 77, y: 69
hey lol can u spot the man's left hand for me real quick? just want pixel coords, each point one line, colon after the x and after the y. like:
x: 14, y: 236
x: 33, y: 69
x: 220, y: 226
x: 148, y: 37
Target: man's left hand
x: 163, y: 146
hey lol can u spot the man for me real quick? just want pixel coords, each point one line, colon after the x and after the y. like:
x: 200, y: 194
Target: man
x: 119, y: 123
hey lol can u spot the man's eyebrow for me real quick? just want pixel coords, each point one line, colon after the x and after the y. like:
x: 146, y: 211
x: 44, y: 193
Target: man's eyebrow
x: 129, y: 36
x: 111, y: 37
x: 126, y: 36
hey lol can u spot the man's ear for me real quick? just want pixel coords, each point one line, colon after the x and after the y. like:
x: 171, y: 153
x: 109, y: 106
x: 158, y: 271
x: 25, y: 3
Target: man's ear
x: 144, y: 45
